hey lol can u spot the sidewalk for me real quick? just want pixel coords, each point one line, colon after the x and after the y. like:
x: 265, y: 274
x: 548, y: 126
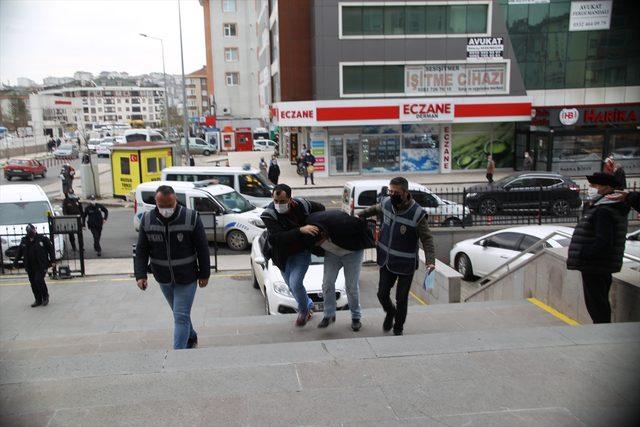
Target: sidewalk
x: 96, y: 267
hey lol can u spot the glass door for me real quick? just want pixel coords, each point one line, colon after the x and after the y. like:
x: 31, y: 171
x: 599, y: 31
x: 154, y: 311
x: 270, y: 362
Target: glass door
x: 336, y: 155
x: 344, y: 154
x: 352, y: 154
x: 541, y: 147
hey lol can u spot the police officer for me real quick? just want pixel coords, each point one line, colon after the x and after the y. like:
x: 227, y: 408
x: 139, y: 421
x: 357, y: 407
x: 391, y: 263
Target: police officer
x: 67, y: 174
x: 173, y: 239
x: 404, y: 223
x: 71, y: 206
x: 95, y: 215
x: 38, y: 254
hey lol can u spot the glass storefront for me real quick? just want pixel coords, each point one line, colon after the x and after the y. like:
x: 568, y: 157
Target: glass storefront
x: 472, y: 142
x: 577, y: 154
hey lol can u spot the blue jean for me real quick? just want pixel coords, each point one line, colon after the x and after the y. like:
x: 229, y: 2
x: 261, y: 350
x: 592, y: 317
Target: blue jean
x: 352, y: 264
x: 180, y: 299
x: 293, y: 274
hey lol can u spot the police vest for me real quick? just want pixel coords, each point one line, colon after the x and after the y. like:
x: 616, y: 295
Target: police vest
x: 398, y: 245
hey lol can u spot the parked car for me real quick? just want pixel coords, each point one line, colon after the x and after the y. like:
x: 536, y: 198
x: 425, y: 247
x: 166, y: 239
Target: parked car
x: 148, y: 135
x: 556, y: 193
x: 481, y: 255
x: 93, y: 143
x: 23, y: 204
x: 238, y: 222
x: 198, y: 146
x: 104, y: 149
x: 632, y: 247
x: 277, y: 296
x: 263, y: 145
x: 67, y: 151
x: 359, y: 195
x: 24, y: 168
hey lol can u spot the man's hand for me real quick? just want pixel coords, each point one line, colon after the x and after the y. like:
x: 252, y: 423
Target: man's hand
x: 142, y: 284
x: 431, y: 267
x: 104, y: 221
x: 618, y: 196
x: 311, y: 230
x: 203, y: 282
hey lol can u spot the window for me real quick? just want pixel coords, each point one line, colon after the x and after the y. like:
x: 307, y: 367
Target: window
x: 230, y: 30
x: 252, y: 185
x: 358, y: 79
x: 507, y: 241
x: 125, y: 167
x: 548, y: 182
x: 232, y: 79
x: 522, y: 183
x: 425, y: 200
x: 351, y: 21
x: 148, y: 197
x: 367, y: 198
x: 230, y: 55
x: 152, y: 165
x: 528, y: 241
x: 204, y: 204
x: 415, y: 21
x: 394, y: 20
x: 372, y: 20
x: 228, y: 5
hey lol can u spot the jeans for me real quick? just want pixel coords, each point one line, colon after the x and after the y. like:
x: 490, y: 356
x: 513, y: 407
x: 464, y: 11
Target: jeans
x: 293, y: 274
x: 387, y: 281
x: 596, y: 288
x: 352, y: 264
x: 180, y: 299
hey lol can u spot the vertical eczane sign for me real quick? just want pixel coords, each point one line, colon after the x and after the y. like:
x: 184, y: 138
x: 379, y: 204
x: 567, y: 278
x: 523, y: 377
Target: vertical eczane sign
x: 445, y: 149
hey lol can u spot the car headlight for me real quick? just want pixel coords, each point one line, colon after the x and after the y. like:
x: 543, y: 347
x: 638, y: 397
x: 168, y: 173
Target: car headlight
x: 282, y: 289
x: 472, y: 195
x: 257, y: 222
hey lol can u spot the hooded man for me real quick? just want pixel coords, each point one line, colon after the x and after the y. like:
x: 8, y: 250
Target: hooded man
x: 38, y: 254
x: 597, y: 245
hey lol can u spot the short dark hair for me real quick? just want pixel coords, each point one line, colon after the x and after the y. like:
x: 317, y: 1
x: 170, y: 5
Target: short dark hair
x: 401, y: 182
x: 282, y: 187
x: 165, y: 190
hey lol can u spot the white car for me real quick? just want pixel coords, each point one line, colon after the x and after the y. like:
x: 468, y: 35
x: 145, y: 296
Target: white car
x: 632, y: 247
x: 238, y: 221
x: 482, y: 255
x: 93, y: 143
x: 261, y: 144
x: 277, y: 296
x: 104, y: 149
x: 23, y: 204
x: 359, y: 195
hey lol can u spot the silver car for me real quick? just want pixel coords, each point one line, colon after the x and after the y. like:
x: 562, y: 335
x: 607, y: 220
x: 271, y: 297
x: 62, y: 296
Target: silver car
x: 67, y: 151
x: 199, y: 146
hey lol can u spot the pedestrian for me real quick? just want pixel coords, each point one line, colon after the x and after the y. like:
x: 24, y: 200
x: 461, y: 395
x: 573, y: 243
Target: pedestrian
x: 38, y: 254
x: 527, y: 164
x: 95, y: 216
x: 614, y: 168
x: 192, y: 161
x: 79, y: 142
x: 263, y: 167
x: 491, y: 167
x: 344, y: 239
x: 173, y: 239
x: 404, y: 224
x: 308, y: 161
x: 67, y: 174
x: 274, y: 170
x: 58, y: 142
x: 290, y: 241
x: 598, y: 243
x: 51, y: 144
x: 71, y: 206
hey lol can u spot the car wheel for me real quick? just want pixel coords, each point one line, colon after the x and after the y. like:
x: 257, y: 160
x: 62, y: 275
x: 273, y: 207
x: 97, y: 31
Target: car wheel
x: 256, y: 285
x: 463, y: 266
x: 9, y: 178
x: 488, y: 207
x: 267, y: 310
x: 237, y: 240
x: 206, y: 153
x: 560, y: 207
x: 452, y: 222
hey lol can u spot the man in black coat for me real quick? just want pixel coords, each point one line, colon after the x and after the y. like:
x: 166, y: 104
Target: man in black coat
x: 344, y: 239
x: 38, y: 254
x: 94, y: 216
x: 597, y: 245
x: 274, y: 171
x: 71, y: 206
x: 290, y: 241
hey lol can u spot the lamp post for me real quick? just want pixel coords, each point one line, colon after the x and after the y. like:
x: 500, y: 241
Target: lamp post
x: 184, y: 91
x: 164, y: 74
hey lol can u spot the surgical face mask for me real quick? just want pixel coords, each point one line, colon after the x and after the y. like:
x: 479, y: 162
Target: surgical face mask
x: 592, y: 192
x: 281, y: 207
x: 166, y: 212
x: 396, y: 200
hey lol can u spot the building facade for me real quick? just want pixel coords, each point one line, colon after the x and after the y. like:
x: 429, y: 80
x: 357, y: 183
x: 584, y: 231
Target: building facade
x: 198, y: 100
x: 435, y: 86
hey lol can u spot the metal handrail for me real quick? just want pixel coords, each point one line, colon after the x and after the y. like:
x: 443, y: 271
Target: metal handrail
x: 488, y: 281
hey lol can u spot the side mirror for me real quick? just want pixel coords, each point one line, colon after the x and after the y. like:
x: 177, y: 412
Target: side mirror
x: 260, y: 260
x: 485, y: 243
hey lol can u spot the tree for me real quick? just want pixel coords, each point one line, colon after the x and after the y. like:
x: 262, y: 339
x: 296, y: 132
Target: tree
x: 175, y: 119
x: 20, y: 113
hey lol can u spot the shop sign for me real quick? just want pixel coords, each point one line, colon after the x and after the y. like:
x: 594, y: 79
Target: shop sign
x: 485, y: 47
x: 133, y: 158
x: 445, y: 149
x: 590, y: 15
x: 457, y: 79
x: 595, y: 116
x: 426, y: 112
x: 569, y: 116
x: 318, y: 147
x: 297, y: 114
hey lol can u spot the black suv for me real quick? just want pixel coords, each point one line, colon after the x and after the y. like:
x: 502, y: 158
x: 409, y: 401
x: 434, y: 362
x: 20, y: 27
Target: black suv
x: 525, y: 191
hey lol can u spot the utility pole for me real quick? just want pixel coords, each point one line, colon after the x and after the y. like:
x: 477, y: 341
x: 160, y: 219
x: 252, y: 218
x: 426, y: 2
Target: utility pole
x: 164, y: 73
x: 184, y: 91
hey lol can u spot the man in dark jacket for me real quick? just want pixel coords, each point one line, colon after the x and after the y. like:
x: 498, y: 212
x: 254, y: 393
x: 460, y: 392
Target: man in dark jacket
x: 597, y: 245
x: 344, y: 239
x: 38, y: 254
x: 173, y: 239
x: 94, y: 216
x: 290, y: 242
x: 404, y: 224
x: 308, y: 161
x: 274, y: 171
x: 71, y: 206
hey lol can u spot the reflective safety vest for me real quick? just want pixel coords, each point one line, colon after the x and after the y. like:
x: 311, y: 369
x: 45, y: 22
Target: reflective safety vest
x: 398, y: 245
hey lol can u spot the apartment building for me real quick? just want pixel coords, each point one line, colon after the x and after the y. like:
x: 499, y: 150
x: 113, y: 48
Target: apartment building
x: 198, y: 101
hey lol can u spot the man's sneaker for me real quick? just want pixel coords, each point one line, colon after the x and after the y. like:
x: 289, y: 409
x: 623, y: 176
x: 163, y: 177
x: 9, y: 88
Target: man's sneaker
x: 36, y: 304
x: 99, y: 253
x: 388, y: 321
x: 303, y: 318
x: 192, y: 343
x: 326, y: 321
x: 397, y: 331
x: 355, y: 325
x: 45, y: 301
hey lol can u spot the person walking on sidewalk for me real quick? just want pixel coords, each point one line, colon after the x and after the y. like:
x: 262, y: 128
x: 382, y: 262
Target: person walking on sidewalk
x: 404, y: 224
x: 264, y: 169
x: 344, y: 239
x: 491, y: 167
x: 67, y: 174
x: 289, y: 243
x: 274, y: 171
x: 38, y: 254
x: 71, y: 206
x: 94, y: 216
x: 308, y: 161
x: 527, y: 163
x: 172, y: 238
x: 597, y: 245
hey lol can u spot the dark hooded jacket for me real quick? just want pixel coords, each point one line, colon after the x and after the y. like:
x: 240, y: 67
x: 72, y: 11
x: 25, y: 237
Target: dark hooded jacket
x: 348, y: 232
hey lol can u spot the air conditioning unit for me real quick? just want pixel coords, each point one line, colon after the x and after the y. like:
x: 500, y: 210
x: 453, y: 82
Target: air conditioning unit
x: 226, y: 110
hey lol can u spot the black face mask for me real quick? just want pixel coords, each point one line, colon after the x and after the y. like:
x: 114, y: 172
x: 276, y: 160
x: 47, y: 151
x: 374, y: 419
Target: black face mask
x: 396, y: 200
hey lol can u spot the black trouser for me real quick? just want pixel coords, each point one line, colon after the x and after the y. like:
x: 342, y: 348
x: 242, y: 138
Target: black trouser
x: 387, y: 280
x: 308, y: 175
x: 490, y: 178
x: 596, y: 295
x: 38, y: 285
x: 96, y: 232
x: 72, y: 240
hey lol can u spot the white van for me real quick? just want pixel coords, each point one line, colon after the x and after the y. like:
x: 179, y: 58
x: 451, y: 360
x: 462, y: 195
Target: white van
x: 359, y: 195
x: 23, y: 204
x: 248, y: 182
x: 148, y: 135
x: 238, y: 222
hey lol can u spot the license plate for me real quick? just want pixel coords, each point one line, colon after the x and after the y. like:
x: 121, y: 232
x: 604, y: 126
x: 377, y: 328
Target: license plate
x: 319, y: 306
x: 18, y: 170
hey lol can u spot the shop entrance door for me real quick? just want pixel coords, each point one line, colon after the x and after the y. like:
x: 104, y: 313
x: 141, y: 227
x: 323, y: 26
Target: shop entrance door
x: 540, y: 145
x: 344, y: 153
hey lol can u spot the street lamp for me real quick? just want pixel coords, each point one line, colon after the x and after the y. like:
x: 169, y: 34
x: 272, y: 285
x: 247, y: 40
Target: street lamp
x: 185, y: 125
x: 164, y: 73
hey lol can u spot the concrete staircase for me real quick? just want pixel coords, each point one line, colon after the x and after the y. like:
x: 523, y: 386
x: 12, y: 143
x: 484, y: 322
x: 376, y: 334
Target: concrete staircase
x: 506, y: 363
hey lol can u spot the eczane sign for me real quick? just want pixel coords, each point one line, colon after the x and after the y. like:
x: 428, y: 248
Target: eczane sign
x: 426, y: 112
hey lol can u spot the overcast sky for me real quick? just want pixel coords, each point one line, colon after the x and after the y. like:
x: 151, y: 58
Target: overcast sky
x: 40, y: 38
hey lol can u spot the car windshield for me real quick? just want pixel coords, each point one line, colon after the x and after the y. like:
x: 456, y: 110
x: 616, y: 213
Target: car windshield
x: 14, y: 213
x: 234, y: 202
x: 564, y: 242
x: 65, y: 147
x: 18, y: 162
